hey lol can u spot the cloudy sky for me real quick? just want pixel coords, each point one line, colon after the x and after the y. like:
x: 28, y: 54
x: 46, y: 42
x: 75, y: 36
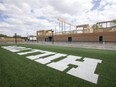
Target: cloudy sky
x: 27, y: 16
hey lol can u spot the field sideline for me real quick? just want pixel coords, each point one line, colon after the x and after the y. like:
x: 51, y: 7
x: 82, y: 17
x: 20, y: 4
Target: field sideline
x: 18, y: 71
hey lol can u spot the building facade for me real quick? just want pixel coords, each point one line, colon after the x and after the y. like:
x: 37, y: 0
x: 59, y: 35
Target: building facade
x: 99, y: 33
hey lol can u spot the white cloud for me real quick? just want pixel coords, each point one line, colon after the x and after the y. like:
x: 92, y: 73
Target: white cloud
x: 70, y: 6
x: 28, y: 16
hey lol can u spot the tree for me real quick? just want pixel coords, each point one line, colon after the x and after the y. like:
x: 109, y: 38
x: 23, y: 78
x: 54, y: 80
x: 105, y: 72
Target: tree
x: 95, y: 26
x: 18, y: 36
x: 2, y: 35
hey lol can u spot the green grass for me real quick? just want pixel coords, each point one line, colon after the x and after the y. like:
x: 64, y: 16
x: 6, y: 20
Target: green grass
x: 18, y: 71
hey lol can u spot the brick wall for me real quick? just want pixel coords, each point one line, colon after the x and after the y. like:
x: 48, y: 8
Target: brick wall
x: 10, y: 39
x: 104, y: 36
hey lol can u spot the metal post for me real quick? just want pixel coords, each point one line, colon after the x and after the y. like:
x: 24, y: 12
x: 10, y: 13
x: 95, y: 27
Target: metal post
x: 70, y: 28
x: 59, y: 27
x: 62, y: 27
x: 106, y: 25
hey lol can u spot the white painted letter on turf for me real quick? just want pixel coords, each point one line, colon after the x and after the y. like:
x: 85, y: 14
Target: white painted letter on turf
x: 50, y: 58
x: 85, y: 69
x: 40, y: 55
x: 63, y: 64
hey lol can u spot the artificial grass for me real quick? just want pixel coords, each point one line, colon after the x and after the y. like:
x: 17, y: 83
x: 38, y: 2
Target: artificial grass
x: 18, y: 71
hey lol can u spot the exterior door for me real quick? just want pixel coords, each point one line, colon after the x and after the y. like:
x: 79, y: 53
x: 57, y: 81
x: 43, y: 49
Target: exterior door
x: 100, y: 38
x: 69, y: 39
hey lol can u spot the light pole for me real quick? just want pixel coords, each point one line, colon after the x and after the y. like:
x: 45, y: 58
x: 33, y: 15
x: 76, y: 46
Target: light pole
x: 15, y: 38
x: 27, y: 37
x: 52, y: 37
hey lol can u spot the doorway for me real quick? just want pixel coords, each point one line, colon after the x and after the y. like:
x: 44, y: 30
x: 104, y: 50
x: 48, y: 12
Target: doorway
x: 100, y: 38
x: 69, y: 39
x: 50, y: 39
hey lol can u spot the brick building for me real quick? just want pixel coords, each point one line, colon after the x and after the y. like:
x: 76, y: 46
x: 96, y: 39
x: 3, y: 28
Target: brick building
x: 101, y: 33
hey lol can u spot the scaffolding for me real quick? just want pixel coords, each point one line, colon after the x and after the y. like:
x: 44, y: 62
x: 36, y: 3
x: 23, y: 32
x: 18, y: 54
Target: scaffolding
x: 105, y: 26
x: 62, y: 26
x: 85, y: 28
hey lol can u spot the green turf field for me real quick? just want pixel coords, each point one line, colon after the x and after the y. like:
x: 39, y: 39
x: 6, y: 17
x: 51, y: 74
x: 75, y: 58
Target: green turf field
x: 18, y: 71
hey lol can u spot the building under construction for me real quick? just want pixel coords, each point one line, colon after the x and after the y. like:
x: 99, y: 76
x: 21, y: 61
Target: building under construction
x: 99, y: 32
